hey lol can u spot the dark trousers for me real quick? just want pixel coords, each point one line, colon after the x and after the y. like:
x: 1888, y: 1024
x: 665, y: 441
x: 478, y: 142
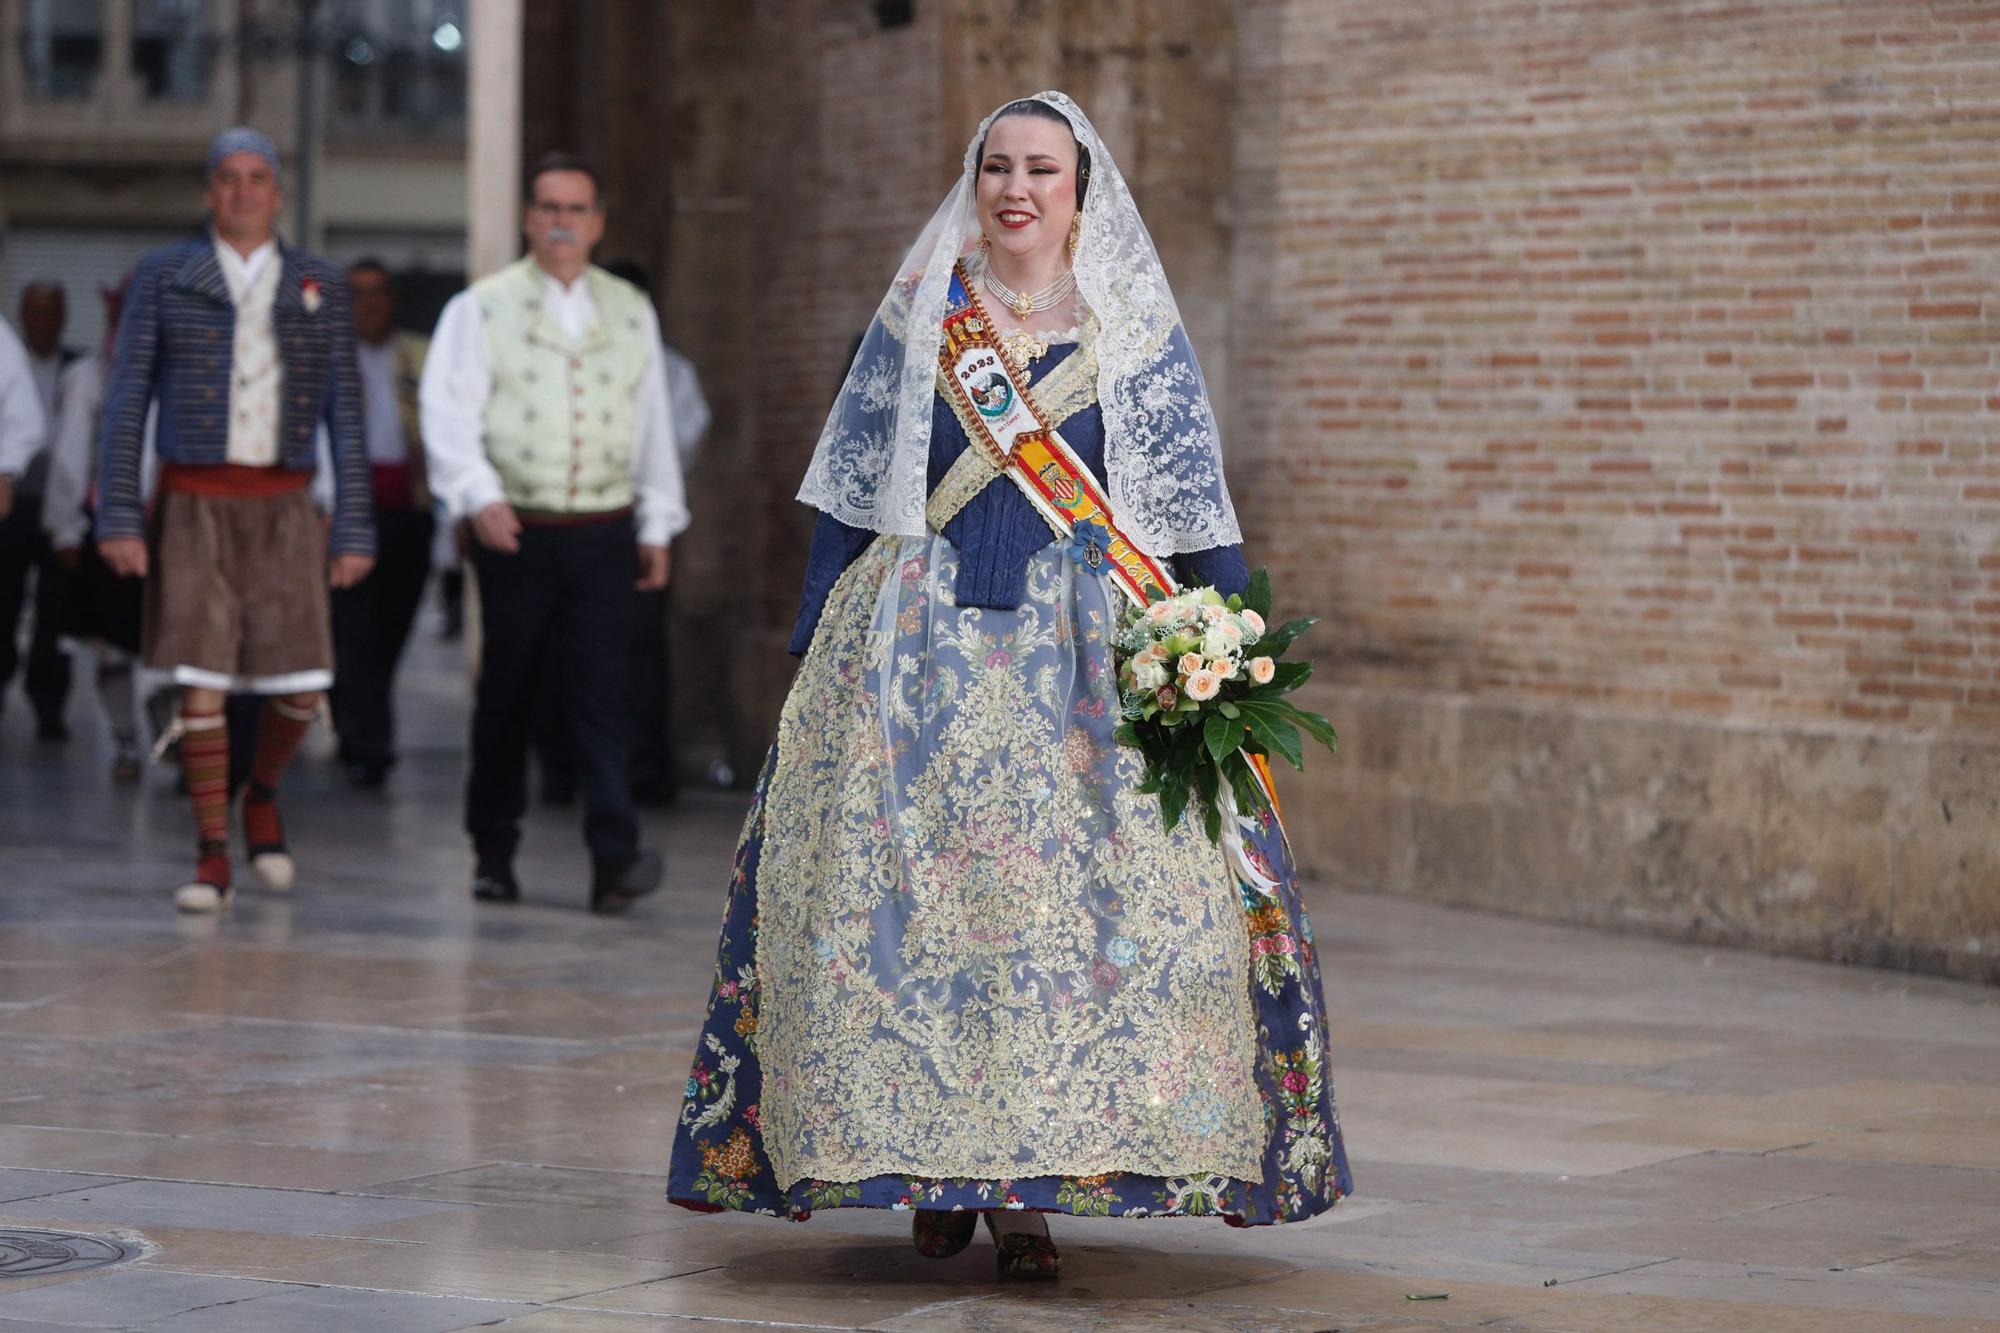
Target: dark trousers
x: 371, y: 624
x: 555, y: 615
x: 24, y: 550
x: 654, y: 773
x: 653, y: 769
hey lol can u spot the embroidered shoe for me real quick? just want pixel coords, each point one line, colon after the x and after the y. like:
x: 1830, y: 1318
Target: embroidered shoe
x: 1023, y: 1255
x: 939, y: 1234
x: 264, y: 832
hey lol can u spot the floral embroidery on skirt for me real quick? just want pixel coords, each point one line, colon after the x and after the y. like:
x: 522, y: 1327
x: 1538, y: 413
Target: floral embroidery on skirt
x: 962, y: 965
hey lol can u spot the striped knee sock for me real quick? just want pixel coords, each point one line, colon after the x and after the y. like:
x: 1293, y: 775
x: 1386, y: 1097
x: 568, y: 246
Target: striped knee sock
x: 280, y: 731
x: 204, y: 746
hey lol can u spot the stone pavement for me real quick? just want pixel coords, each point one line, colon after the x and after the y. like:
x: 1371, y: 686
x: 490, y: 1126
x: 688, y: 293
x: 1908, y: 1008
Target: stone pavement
x: 371, y: 1105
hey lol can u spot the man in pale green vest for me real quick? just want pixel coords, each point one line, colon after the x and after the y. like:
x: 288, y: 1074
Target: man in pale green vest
x: 547, y: 427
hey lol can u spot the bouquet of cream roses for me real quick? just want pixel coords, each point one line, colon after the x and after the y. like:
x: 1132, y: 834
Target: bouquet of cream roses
x: 1202, y: 690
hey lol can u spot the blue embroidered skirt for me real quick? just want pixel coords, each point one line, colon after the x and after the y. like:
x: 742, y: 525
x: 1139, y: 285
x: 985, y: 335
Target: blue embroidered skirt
x: 963, y: 965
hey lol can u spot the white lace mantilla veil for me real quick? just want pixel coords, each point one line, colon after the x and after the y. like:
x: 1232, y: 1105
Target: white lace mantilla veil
x: 1162, y: 454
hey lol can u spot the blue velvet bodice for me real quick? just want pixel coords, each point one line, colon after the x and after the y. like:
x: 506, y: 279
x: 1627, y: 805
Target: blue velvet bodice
x: 998, y: 530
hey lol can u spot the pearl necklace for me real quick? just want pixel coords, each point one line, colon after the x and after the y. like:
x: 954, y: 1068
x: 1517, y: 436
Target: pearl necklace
x: 1024, y: 304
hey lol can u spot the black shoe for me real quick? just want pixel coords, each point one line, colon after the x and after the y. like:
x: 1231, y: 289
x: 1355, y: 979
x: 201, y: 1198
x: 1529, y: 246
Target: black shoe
x: 496, y: 885
x: 367, y: 776
x: 615, y: 886
x: 654, y: 793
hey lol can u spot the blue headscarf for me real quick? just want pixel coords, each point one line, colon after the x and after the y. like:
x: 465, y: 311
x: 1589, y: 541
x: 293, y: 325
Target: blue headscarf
x: 242, y: 139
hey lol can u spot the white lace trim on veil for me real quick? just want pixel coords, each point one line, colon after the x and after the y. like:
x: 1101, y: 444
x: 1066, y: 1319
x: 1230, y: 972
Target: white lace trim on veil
x: 1163, y: 456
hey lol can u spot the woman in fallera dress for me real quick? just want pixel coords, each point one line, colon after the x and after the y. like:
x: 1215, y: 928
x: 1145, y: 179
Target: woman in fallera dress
x: 964, y: 970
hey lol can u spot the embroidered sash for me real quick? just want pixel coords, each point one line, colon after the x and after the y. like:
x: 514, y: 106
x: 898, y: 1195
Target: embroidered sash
x: 1010, y: 434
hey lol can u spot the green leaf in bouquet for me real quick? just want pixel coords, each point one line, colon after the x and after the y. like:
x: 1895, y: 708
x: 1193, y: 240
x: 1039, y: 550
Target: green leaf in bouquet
x: 1274, y: 642
x: 1257, y: 593
x: 1126, y: 734
x: 1314, y: 726
x: 1173, y: 800
x: 1207, y: 779
x: 1271, y: 722
x: 1221, y: 736
x: 1226, y: 708
x: 1208, y: 790
x: 1290, y: 675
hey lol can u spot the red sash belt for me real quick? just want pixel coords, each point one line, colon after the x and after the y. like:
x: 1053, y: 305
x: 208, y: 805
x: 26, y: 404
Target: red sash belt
x: 230, y: 481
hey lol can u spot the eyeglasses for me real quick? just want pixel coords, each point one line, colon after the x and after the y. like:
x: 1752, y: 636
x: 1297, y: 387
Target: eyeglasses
x: 548, y: 208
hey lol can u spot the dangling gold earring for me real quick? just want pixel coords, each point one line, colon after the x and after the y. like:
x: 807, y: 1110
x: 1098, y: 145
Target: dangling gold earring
x: 1075, y: 234
x: 985, y: 242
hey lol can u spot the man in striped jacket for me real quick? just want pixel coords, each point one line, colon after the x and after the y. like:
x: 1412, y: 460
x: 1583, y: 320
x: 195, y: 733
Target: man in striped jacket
x: 247, y: 346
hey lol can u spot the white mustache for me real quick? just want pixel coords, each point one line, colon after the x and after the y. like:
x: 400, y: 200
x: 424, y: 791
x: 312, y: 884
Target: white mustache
x: 561, y: 235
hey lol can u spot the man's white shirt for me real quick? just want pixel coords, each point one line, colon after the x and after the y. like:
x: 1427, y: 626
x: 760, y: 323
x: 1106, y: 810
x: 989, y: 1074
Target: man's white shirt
x: 255, y: 373
x: 24, y: 428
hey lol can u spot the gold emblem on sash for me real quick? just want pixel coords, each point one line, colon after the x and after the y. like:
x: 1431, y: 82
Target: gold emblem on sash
x: 1007, y: 425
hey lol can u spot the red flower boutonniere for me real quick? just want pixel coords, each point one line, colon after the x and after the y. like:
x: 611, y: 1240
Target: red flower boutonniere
x: 311, y: 294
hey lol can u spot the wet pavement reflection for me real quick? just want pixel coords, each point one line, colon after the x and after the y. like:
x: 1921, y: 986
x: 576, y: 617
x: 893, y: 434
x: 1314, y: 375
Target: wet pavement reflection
x: 373, y: 1104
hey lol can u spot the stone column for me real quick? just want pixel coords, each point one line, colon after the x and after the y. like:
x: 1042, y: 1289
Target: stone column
x: 493, y: 147
x: 493, y: 182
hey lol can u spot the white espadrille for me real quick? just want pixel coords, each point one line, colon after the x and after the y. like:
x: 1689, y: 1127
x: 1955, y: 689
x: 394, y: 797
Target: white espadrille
x: 275, y: 870
x: 200, y: 898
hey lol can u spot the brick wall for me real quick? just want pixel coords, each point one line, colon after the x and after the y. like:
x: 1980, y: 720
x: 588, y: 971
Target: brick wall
x: 1620, y: 377
x: 769, y: 163
x: 805, y: 146
x: 831, y: 166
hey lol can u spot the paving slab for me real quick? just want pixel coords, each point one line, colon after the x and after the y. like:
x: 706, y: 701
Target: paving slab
x: 132, y: 1297
x: 340, y: 1310
x: 374, y: 1104
x: 138, y: 1203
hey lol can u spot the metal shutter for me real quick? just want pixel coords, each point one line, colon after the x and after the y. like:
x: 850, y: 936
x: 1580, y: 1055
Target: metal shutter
x: 83, y: 259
